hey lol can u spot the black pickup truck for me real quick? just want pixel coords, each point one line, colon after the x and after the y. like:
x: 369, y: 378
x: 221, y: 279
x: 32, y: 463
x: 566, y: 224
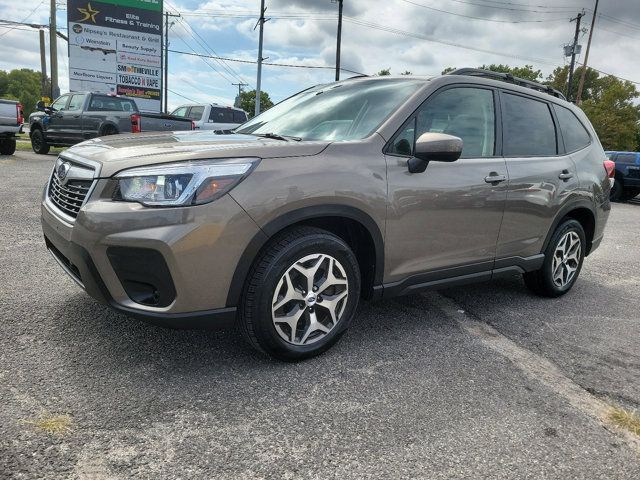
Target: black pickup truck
x: 75, y: 117
x: 627, y: 175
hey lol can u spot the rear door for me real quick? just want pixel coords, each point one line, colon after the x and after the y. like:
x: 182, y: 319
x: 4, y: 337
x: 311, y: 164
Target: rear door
x: 542, y: 177
x: 445, y: 221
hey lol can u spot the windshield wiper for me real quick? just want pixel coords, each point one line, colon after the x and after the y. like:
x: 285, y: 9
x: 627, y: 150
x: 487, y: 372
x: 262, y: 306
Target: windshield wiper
x: 277, y: 136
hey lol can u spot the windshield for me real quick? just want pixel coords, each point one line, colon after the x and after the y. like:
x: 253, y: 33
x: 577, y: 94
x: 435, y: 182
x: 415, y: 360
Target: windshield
x: 343, y: 111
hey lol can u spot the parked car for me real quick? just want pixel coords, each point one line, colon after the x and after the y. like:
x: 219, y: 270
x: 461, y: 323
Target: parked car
x: 11, y: 119
x: 212, y: 116
x: 75, y: 117
x: 368, y: 187
x: 627, y: 176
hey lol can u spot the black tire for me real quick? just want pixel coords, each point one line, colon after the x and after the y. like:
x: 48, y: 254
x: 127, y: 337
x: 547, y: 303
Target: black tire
x: 108, y: 130
x: 8, y: 146
x: 38, y: 142
x: 630, y: 193
x: 617, y: 191
x: 541, y: 281
x: 275, y: 260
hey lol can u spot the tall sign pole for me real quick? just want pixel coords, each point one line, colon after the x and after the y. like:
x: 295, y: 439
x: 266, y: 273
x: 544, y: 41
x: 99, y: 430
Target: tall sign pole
x: 586, y: 56
x: 43, y: 66
x: 259, y: 79
x: 339, y: 40
x: 53, y: 52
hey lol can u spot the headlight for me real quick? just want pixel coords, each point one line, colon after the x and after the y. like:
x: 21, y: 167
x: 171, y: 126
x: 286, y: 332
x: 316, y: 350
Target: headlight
x: 181, y: 184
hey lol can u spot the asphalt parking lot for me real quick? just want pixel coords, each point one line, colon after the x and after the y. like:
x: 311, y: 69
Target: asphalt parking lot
x: 485, y: 381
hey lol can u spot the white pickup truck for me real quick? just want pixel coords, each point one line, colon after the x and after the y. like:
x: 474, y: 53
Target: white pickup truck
x: 212, y: 116
x: 11, y: 119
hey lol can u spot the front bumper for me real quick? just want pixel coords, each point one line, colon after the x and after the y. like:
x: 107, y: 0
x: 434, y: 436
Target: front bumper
x: 201, y: 247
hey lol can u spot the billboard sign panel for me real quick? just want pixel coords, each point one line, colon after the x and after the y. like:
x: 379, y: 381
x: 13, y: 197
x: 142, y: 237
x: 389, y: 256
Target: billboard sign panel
x: 115, y: 47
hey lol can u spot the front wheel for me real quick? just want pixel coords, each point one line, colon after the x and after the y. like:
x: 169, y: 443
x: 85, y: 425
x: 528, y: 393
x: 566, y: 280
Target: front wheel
x: 562, y: 263
x: 301, y: 294
x: 8, y: 146
x: 38, y: 142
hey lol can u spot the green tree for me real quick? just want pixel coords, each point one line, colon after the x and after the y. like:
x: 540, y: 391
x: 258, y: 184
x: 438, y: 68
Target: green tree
x: 22, y: 85
x: 248, y: 102
x: 559, y: 78
x: 406, y: 72
x: 612, y: 112
x: 527, y: 72
x: 448, y: 70
x: 384, y: 72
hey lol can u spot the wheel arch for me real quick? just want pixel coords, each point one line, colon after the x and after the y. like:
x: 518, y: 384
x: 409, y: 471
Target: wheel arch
x: 584, y: 213
x: 353, y: 225
x: 107, y: 124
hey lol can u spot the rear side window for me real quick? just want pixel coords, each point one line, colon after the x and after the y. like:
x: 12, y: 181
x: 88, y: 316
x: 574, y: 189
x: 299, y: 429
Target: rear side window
x: 111, y: 104
x: 221, y: 115
x: 627, y: 157
x: 574, y: 134
x: 239, y: 117
x: 528, y: 128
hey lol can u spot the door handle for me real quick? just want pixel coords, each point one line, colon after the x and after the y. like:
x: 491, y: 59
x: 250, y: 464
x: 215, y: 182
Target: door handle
x: 495, y: 178
x: 565, y: 175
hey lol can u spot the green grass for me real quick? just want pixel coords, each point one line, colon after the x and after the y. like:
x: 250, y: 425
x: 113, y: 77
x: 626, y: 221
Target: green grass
x: 624, y: 419
x: 52, y: 424
x: 26, y: 147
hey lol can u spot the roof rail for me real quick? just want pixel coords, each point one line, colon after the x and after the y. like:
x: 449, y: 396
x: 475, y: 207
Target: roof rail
x: 507, y: 77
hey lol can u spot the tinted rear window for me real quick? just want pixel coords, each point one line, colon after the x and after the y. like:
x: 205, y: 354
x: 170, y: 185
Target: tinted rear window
x: 528, y: 127
x: 239, y: 117
x: 575, y: 135
x: 221, y: 115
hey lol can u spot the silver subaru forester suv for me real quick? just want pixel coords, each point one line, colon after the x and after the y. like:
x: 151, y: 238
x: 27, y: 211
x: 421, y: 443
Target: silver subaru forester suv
x: 365, y: 188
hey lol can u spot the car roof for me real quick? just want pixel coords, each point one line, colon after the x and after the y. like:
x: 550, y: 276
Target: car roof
x: 211, y: 104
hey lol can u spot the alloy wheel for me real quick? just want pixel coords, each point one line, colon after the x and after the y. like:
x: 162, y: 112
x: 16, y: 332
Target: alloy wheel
x: 566, y: 259
x: 310, y: 299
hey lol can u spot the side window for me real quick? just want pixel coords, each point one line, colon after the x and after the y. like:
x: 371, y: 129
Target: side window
x: 464, y: 112
x: 76, y: 102
x: 528, y: 128
x: 60, y: 102
x: 239, y: 117
x: 221, y: 115
x: 196, y: 112
x: 180, y: 112
x: 574, y: 134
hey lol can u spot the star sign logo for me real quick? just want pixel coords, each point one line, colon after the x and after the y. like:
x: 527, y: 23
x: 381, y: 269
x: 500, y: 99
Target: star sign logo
x: 89, y: 13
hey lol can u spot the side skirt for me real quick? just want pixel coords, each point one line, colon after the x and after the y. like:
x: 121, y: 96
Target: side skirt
x: 463, y: 275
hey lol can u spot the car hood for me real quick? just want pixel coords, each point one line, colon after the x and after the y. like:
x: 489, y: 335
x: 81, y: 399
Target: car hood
x: 114, y: 153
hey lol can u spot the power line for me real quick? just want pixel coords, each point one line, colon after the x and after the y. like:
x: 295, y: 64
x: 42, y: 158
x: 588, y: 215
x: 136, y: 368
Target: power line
x: 481, y: 18
x: 24, y: 19
x: 254, y: 62
x: 180, y: 95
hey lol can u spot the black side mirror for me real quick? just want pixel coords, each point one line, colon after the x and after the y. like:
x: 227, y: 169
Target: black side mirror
x: 40, y: 106
x: 434, y: 147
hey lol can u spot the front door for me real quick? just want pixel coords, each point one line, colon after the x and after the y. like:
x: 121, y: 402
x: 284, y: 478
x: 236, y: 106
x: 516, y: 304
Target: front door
x: 53, y: 122
x: 72, y: 118
x: 445, y: 221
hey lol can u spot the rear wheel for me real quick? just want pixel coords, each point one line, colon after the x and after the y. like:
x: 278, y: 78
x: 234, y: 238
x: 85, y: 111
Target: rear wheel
x: 109, y: 130
x: 7, y: 146
x: 562, y: 263
x: 301, y: 294
x: 617, y: 191
x: 630, y: 193
x: 38, y: 142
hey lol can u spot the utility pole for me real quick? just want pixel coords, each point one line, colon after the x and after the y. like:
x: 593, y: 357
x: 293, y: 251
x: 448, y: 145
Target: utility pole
x: 261, y: 23
x: 53, y: 52
x: 339, y: 39
x: 239, y: 85
x: 43, y: 66
x: 573, y: 53
x: 586, y: 56
x: 164, y: 102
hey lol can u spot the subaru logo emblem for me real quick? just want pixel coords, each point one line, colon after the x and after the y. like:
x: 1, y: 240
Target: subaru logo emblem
x: 63, y: 170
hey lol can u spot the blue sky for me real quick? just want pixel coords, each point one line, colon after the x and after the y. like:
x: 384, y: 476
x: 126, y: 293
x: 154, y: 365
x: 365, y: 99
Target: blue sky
x: 422, y: 38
